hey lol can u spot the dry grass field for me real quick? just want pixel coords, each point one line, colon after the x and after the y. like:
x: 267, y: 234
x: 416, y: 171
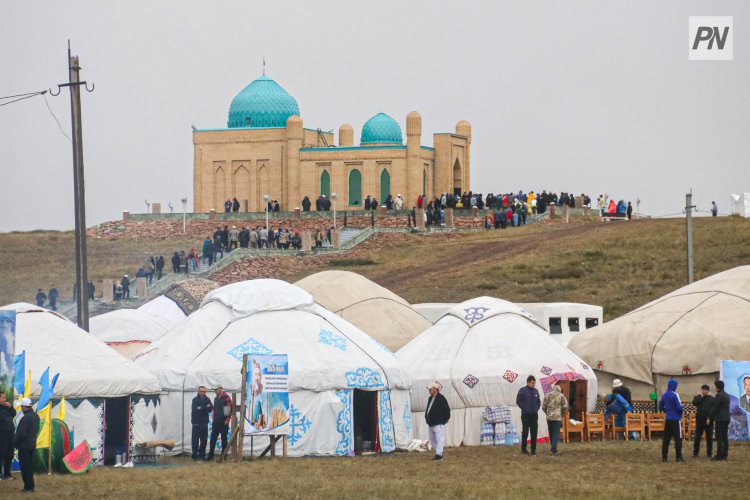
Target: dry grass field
x: 580, y: 470
x: 617, y: 265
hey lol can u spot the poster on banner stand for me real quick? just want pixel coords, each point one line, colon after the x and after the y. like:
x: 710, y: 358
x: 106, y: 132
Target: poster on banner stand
x: 7, y: 352
x: 267, y: 394
x: 736, y: 377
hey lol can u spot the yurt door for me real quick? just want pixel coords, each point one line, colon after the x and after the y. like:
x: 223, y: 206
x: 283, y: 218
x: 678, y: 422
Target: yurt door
x: 365, y: 422
x: 580, y: 390
x: 116, y: 430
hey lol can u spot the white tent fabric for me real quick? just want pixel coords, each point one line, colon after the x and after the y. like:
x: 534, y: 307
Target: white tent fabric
x: 375, y: 310
x: 481, y: 351
x: 684, y: 335
x: 89, y: 370
x: 128, y: 331
x: 328, y: 359
x: 740, y: 204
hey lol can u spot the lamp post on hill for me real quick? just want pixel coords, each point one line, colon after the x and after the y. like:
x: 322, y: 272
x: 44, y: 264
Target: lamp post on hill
x: 333, y: 197
x: 184, y: 215
x: 266, y: 198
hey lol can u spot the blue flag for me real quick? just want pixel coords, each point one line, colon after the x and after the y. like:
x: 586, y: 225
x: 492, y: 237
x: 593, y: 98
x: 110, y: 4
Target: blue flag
x: 47, y: 392
x: 44, y: 383
x: 19, y: 376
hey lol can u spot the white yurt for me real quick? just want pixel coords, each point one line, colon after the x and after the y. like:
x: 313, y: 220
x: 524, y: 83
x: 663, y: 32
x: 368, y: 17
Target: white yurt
x: 375, y: 310
x: 110, y: 401
x: 343, y: 385
x: 683, y: 335
x: 481, y: 352
x: 128, y: 331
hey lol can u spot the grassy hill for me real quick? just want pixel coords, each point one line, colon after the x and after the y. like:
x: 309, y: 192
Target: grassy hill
x: 617, y: 265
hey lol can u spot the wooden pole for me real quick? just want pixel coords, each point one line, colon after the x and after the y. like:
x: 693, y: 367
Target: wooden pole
x: 243, y: 403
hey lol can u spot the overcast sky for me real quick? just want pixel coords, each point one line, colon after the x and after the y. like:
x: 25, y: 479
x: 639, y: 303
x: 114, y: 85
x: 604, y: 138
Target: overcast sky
x: 581, y: 96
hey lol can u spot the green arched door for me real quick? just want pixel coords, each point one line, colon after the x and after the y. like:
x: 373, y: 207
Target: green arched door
x: 355, y: 188
x: 385, y: 185
x: 325, y: 184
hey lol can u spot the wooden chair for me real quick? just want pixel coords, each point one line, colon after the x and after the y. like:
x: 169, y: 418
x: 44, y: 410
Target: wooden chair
x: 594, y: 425
x: 655, y: 422
x: 614, y: 430
x: 569, y: 428
x: 689, y: 426
x: 635, y: 422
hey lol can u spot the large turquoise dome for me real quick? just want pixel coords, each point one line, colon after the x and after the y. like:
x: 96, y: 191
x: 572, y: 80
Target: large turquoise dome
x: 381, y: 128
x: 263, y: 103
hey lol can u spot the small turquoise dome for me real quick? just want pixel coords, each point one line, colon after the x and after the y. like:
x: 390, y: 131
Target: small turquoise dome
x: 263, y: 103
x: 381, y: 128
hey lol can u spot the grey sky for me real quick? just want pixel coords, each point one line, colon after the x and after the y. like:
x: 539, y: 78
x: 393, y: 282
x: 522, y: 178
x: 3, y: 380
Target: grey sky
x: 581, y: 96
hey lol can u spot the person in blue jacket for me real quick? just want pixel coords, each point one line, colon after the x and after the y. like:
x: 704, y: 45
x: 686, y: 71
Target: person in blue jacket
x: 620, y: 407
x: 529, y: 402
x: 671, y: 405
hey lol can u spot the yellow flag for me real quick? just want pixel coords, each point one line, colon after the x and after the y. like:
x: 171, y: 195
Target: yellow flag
x: 44, y: 439
x: 61, y: 409
x: 27, y: 386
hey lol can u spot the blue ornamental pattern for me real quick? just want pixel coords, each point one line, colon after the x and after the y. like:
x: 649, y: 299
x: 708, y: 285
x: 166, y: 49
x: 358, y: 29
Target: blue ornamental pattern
x: 299, y: 424
x: 387, y: 443
x: 407, y: 417
x: 344, y: 423
x: 332, y: 339
x: 364, y: 378
x: 250, y: 346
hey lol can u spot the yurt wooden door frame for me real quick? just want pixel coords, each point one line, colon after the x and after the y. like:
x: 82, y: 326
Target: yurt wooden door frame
x: 117, y: 426
x: 575, y: 392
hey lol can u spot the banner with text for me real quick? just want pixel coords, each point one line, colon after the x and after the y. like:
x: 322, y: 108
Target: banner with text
x: 267, y: 410
x: 736, y: 377
x: 7, y: 352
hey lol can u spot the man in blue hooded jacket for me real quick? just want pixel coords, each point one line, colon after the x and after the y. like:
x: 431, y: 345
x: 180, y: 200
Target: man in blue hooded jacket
x: 671, y: 405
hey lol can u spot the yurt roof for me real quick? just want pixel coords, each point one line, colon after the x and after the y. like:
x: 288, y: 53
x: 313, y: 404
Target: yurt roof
x: 482, y: 350
x: 376, y: 310
x: 691, y: 329
x: 124, y: 325
x: 266, y: 316
x: 87, y: 367
x: 189, y: 293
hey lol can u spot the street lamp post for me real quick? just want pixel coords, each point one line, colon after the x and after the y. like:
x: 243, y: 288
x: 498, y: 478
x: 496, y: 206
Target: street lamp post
x: 333, y: 197
x: 184, y: 216
x: 266, y: 198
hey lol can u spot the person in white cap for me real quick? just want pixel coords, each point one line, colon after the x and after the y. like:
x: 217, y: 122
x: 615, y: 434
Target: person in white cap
x: 619, y: 388
x: 437, y: 415
x: 25, y: 443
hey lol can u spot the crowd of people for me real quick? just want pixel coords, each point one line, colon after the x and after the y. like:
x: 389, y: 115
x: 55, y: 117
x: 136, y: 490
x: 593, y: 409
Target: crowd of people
x: 50, y: 298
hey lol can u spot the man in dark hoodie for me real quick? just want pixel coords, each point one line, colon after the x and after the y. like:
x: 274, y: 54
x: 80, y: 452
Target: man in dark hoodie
x: 719, y: 416
x: 703, y: 403
x: 671, y: 405
x: 437, y: 415
x: 7, y: 428
x: 529, y: 402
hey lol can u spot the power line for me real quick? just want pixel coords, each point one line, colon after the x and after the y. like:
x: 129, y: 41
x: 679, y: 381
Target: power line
x: 26, y: 96
x: 56, y: 120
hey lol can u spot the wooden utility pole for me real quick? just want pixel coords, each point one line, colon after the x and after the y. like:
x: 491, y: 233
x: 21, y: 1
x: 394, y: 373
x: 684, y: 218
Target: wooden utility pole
x: 79, y: 192
x: 689, y: 222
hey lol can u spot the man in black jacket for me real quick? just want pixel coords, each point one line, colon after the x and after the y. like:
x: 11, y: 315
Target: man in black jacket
x: 719, y: 416
x: 529, y: 402
x: 25, y: 442
x: 437, y: 415
x: 201, y: 409
x: 7, y: 414
x: 703, y: 402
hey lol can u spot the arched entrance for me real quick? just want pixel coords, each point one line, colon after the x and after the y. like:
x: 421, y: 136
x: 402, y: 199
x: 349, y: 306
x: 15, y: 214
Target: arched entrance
x: 220, y: 189
x: 385, y: 185
x: 355, y: 188
x: 262, y: 187
x: 325, y: 184
x: 241, y: 185
x: 457, y: 178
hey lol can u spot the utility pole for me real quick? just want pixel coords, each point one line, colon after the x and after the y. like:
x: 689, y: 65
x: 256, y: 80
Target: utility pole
x: 79, y: 192
x: 689, y: 220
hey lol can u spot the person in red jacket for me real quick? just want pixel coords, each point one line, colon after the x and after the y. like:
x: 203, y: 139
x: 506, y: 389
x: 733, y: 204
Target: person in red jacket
x: 221, y: 416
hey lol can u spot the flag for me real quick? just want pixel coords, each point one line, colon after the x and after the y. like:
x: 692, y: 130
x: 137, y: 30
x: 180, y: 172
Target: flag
x: 47, y: 391
x: 44, y: 383
x: 61, y: 409
x: 44, y: 438
x: 27, y: 386
x: 18, y: 380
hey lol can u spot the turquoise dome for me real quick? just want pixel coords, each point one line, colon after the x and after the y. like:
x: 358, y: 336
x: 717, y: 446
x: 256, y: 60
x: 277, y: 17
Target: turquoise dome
x: 263, y: 103
x: 381, y: 128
